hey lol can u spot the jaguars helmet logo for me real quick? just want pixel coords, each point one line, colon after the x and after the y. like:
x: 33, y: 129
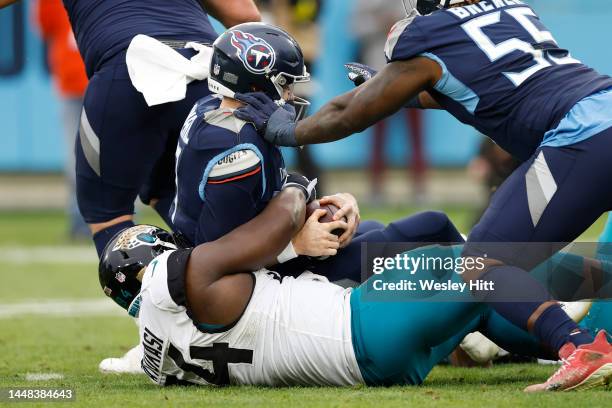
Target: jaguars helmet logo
x: 255, y: 53
x: 137, y: 236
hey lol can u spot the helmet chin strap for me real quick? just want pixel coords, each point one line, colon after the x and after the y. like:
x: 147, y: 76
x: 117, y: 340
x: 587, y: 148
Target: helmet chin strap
x: 218, y: 88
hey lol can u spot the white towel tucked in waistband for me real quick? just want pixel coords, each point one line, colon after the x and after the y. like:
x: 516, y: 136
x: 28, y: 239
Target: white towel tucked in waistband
x: 160, y: 73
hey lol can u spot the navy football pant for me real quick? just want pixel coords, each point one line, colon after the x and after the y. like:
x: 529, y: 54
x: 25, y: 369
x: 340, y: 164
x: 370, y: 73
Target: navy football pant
x: 124, y: 147
x: 551, y: 198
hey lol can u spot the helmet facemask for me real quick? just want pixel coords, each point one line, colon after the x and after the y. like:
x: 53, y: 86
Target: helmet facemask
x: 426, y: 7
x: 285, y: 86
x: 409, y: 6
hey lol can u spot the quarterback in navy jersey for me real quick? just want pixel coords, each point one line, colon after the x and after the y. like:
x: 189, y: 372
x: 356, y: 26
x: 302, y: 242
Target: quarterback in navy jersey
x: 227, y: 173
x: 495, y: 66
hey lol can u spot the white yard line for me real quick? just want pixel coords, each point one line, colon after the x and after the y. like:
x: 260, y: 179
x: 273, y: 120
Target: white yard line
x: 47, y: 255
x: 43, y: 376
x: 61, y: 308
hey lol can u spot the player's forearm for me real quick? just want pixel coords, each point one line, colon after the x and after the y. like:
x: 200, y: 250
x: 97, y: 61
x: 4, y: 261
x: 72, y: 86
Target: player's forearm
x: 381, y: 96
x: 330, y: 123
x: 4, y: 3
x: 232, y: 12
x: 255, y: 244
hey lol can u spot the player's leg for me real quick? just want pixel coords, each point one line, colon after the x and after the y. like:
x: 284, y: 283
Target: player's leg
x: 368, y: 226
x: 400, y: 342
x: 509, y: 337
x: 570, y: 278
x: 528, y: 208
x: 600, y: 315
x: 553, y: 197
x: 394, y: 333
x: 118, y: 144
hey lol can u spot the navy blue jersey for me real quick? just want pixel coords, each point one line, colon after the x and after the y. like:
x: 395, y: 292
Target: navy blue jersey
x: 105, y: 27
x: 503, y: 72
x: 225, y: 173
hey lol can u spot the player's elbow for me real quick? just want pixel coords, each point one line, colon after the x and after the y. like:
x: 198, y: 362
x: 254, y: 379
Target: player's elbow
x: 294, y: 219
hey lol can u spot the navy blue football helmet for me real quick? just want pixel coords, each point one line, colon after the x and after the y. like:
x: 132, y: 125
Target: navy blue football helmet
x: 125, y: 259
x: 258, y: 57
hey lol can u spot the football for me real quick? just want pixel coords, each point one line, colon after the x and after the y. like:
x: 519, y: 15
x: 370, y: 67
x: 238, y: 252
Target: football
x: 329, y: 217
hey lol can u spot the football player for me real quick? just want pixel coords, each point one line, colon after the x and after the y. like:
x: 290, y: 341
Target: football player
x: 126, y: 148
x: 493, y: 65
x: 227, y: 173
x: 214, y: 315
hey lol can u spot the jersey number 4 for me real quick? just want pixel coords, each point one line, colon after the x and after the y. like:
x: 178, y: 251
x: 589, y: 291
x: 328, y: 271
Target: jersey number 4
x: 474, y: 29
x: 220, y: 354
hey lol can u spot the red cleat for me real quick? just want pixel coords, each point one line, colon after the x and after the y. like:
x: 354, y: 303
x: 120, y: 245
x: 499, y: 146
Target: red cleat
x: 585, y: 367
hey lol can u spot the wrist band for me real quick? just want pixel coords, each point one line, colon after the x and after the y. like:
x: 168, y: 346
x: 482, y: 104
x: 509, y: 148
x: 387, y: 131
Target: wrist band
x: 287, y: 254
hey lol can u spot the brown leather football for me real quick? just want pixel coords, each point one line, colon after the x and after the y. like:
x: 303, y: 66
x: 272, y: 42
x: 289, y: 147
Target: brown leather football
x: 329, y: 217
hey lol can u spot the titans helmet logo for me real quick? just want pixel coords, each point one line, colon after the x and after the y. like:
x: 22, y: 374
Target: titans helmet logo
x: 255, y: 53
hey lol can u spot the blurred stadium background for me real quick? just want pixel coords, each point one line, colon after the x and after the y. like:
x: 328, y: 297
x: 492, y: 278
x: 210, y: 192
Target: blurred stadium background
x: 33, y: 151
x: 433, y: 161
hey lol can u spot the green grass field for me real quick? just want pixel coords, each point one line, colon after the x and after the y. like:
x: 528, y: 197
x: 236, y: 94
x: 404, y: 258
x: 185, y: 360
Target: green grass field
x: 37, y: 265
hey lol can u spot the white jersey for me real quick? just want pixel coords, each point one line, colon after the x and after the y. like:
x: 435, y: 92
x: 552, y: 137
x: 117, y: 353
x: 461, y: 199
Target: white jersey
x: 293, y: 332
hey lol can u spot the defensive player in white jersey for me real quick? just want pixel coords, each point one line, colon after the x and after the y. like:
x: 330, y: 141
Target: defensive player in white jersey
x: 207, y: 318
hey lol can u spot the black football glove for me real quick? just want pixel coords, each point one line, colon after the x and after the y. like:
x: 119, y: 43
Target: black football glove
x: 359, y: 73
x: 308, y: 187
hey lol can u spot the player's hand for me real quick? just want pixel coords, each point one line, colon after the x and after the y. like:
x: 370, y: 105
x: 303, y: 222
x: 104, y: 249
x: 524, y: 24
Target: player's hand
x: 359, y: 73
x: 274, y: 123
x: 348, y: 208
x: 315, y: 239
